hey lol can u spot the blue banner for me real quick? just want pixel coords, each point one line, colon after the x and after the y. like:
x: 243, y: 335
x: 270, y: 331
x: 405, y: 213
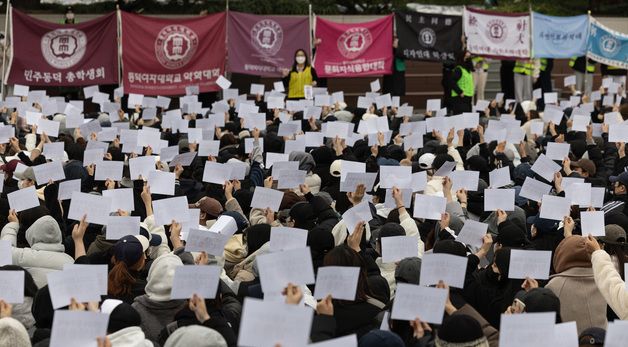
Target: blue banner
x: 607, y: 46
x: 559, y: 37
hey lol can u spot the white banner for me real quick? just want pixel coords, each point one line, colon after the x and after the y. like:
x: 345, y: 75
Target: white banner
x: 497, y: 34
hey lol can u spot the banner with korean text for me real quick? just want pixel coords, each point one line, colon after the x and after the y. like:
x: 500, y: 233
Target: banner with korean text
x: 425, y: 36
x: 496, y: 34
x: 265, y: 45
x: 51, y: 54
x: 161, y: 56
x: 559, y: 37
x: 354, y: 49
x: 607, y: 46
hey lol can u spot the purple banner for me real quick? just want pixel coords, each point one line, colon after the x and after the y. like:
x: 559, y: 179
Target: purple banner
x: 265, y: 45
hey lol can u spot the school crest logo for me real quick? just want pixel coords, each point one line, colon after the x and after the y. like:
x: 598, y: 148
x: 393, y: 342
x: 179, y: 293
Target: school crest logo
x: 354, y: 42
x: 427, y: 37
x: 496, y: 30
x: 609, y: 45
x: 63, y: 48
x: 267, y: 37
x: 175, y: 46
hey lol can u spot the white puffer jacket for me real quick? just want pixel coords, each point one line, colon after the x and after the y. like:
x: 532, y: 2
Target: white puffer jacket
x: 46, y: 252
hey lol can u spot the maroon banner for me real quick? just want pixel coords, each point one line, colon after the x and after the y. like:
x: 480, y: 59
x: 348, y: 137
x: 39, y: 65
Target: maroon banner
x: 50, y: 54
x: 163, y: 56
x: 265, y: 45
x: 354, y: 49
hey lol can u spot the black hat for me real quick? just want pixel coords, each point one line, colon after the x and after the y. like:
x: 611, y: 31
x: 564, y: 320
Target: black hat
x: 450, y: 247
x: 541, y: 300
x: 592, y: 337
x: 460, y: 328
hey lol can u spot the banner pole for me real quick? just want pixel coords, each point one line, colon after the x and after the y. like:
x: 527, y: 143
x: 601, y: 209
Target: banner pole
x: 119, y: 21
x: 4, y: 49
x: 310, y: 31
x: 586, y: 64
x: 226, y: 74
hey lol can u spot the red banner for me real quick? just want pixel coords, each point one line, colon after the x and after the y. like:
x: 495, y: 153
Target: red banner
x: 50, y: 54
x: 354, y: 49
x: 163, y: 56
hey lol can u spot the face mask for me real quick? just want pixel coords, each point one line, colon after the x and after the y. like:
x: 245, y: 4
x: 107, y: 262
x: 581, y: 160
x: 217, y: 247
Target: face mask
x: 300, y: 59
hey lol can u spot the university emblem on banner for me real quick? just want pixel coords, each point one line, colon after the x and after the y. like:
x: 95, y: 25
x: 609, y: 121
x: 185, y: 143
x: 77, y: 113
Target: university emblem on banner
x: 496, y: 30
x: 175, y: 46
x: 427, y: 37
x: 354, y: 41
x: 267, y: 36
x: 63, y: 48
x: 609, y: 45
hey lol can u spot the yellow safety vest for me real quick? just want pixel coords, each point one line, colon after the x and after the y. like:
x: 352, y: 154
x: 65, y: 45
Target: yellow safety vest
x: 523, y: 67
x: 477, y: 60
x: 543, y: 64
x: 465, y: 83
x: 298, y: 80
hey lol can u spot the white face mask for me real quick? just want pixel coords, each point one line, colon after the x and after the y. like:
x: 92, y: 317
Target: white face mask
x: 300, y: 59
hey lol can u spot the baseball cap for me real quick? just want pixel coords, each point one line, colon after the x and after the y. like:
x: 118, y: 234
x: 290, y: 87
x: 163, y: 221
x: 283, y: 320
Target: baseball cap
x: 621, y: 178
x: 426, y: 160
x: 587, y: 165
x: 592, y: 337
x: 408, y: 270
x: 153, y: 239
x: 208, y: 205
x: 130, y: 248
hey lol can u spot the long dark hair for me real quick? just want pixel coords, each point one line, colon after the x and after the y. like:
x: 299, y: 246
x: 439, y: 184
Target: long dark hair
x: 294, y: 62
x: 343, y: 255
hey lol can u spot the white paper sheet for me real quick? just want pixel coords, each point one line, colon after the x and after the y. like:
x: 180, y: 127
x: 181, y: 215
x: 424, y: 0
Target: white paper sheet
x: 78, y: 328
x: 428, y: 206
x: 340, y: 282
x: 545, y: 167
x: 526, y: 263
x: 285, y: 238
x: 413, y: 301
x: 108, y: 169
x: 121, y: 198
x: 225, y: 225
x: 66, y: 188
x: 12, y: 286
x: 167, y: 210
x: 96, y: 207
x: 266, y: 198
x: 358, y: 213
x: 524, y: 330
x: 23, y: 199
x: 100, y: 270
x: 592, y: 222
x: 499, y: 177
x: 65, y: 285
x: 268, y: 323
x: 120, y: 226
x: 48, y: 171
x: 499, y: 199
x: 557, y: 151
x: 451, y: 269
x: 395, y: 248
x: 6, y: 257
x: 141, y: 166
x: 353, y: 179
x: 201, y: 280
x: 554, y: 207
x: 464, y: 179
x: 565, y: 335
x: 534, y: 190
x: 472, y: 233
x: 278, y: 269
x: 203, y: 240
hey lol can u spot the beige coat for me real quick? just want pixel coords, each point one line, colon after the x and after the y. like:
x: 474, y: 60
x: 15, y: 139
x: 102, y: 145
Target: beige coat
x: 580, y: 299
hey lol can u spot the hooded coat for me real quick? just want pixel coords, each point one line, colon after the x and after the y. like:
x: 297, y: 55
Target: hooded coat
x: 46, y: 252
x: 129, y: 337
x: 574, y: 285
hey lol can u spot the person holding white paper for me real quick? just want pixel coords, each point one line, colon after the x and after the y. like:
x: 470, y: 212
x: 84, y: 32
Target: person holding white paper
x: 301, y: 75
x: 46, y: 252
x: 573, y: 283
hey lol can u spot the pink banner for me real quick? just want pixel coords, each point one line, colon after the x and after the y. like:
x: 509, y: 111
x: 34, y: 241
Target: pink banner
x: 52, y: 54
x: 354, y: 49
x: 163, y: 56
x: 265, y: 45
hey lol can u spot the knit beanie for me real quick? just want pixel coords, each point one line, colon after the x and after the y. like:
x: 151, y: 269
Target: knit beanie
x: 195, y: 335
x: 460, y: 330
x: 13, y: 333
x: 161, y: 276
x: 571, y: 252
x: 122, y: 316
